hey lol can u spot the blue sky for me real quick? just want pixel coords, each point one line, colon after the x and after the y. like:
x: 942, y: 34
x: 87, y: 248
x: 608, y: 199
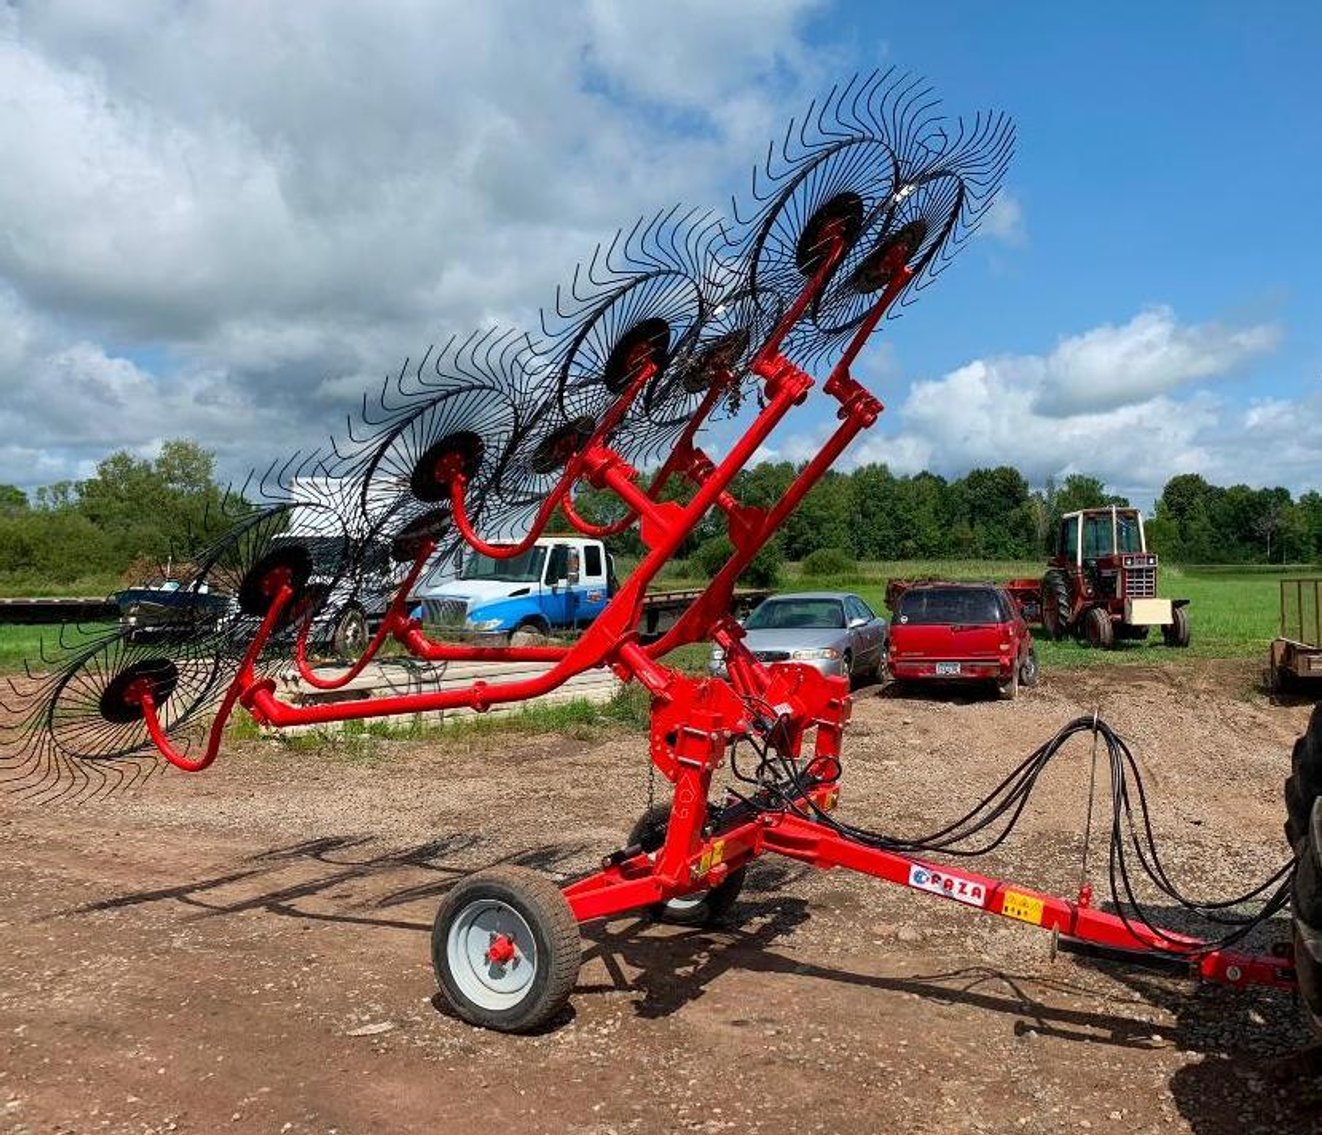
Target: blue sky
x: 226, y: 220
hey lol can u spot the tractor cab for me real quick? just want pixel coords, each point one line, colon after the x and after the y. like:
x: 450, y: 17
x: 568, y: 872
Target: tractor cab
x: 1102, y: 582
x: 1107, y: 545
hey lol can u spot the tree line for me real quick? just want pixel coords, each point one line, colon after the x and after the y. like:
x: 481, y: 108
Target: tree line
x: 130, y: 516
x: 135, y: 512
x: 872, y: 514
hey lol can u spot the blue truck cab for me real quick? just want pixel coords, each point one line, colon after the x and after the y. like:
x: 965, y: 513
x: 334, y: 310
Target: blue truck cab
x: 560, y: 583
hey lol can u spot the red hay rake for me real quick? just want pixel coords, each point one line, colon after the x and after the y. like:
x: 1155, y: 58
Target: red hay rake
x: 674, y: 325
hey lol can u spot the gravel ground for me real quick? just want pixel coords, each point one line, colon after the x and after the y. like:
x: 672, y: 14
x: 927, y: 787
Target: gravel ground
x: 247, y: 949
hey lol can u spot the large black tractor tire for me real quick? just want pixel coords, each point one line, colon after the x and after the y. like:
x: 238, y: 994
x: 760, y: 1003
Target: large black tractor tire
x: 1057, y: 606
x: 1303, y: 827
x: 702, y: 908
x: 1304, y: 784
x: 1176, y: 632
x: 1098, y: 630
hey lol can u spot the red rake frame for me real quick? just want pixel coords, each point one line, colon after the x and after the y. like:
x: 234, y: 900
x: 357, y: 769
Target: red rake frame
x: 695, y: 721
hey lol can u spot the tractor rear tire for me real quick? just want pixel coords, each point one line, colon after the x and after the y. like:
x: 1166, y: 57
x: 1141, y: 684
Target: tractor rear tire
x: 1057, y: 606
x: 1176, y: 632
x: 701, y: 908
x: 1303, y: 827
x: 1098, y: 630
x: 1304, y: 784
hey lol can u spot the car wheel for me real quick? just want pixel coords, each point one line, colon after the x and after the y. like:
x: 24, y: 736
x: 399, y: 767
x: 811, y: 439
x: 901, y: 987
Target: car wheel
x: 1009, y: 689
x: 1028, y: 672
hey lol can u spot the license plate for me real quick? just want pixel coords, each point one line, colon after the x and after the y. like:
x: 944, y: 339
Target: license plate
x: 947, y: 667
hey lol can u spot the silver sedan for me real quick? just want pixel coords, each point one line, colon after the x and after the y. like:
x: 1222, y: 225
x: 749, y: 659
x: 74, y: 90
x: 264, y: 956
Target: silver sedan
x: 834, y: 631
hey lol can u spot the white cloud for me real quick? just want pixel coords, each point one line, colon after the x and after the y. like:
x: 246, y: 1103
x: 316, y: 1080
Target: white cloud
x: 1005, y: 220
x: 1009, y: 410
x: 1109, y: 366
x: 226, y: 220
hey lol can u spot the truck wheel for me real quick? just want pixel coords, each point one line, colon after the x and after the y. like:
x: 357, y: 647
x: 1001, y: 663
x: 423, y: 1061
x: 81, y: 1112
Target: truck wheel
x: 1176, y: 632
x: 506, y: 949
x: 530, y: 632
x: 349, y: 638
x: 701, y: 908
x: 1057, y: 607
x: 1098, y: 631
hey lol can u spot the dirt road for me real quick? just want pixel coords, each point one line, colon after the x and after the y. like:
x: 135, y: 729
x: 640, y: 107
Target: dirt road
x: 247, y: 949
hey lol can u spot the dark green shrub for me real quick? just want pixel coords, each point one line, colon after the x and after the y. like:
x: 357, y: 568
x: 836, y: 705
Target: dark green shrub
x: 765, y: 570
x: 829, y: 562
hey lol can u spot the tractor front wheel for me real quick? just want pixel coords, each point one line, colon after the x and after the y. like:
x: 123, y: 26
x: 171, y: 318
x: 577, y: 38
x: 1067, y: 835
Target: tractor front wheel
x: 1057, y: 606
x: 506, y: 949
x: 1176, y: 632
x: 1098, y: 630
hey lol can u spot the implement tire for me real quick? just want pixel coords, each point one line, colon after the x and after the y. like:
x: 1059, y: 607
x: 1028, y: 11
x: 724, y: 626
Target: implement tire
x: 1303, y: 827
x: 701, y: 908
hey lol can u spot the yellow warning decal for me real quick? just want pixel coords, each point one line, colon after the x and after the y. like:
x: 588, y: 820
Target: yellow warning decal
x: 1023, y: 907
x: 712, y: 856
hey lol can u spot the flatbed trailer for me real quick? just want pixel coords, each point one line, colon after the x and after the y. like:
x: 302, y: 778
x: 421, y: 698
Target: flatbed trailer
x: 57, y: 609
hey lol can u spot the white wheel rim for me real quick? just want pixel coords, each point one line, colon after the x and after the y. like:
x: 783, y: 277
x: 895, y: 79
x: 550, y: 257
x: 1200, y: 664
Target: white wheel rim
x: 686, y: 903
x: 489, y: 984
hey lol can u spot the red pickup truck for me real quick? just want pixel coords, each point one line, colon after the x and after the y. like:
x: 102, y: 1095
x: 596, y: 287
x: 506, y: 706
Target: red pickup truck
x: 960, y: 631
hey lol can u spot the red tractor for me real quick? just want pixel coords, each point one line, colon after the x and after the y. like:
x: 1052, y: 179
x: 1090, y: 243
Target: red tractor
x: 1102, y: 583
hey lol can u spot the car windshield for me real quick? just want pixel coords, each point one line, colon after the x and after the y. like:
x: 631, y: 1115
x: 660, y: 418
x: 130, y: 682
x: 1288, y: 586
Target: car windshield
x: 797, y: 614
x: 968, y: 606
x: 525, y: 568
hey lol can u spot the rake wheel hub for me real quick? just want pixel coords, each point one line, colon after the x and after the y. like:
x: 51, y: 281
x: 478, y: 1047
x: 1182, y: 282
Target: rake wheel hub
x: 121, y: 700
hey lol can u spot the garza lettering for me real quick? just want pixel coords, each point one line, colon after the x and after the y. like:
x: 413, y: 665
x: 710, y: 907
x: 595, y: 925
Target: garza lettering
x: 947, y: 883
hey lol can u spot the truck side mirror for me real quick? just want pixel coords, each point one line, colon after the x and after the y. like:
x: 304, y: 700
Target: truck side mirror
x: 572, y: 575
